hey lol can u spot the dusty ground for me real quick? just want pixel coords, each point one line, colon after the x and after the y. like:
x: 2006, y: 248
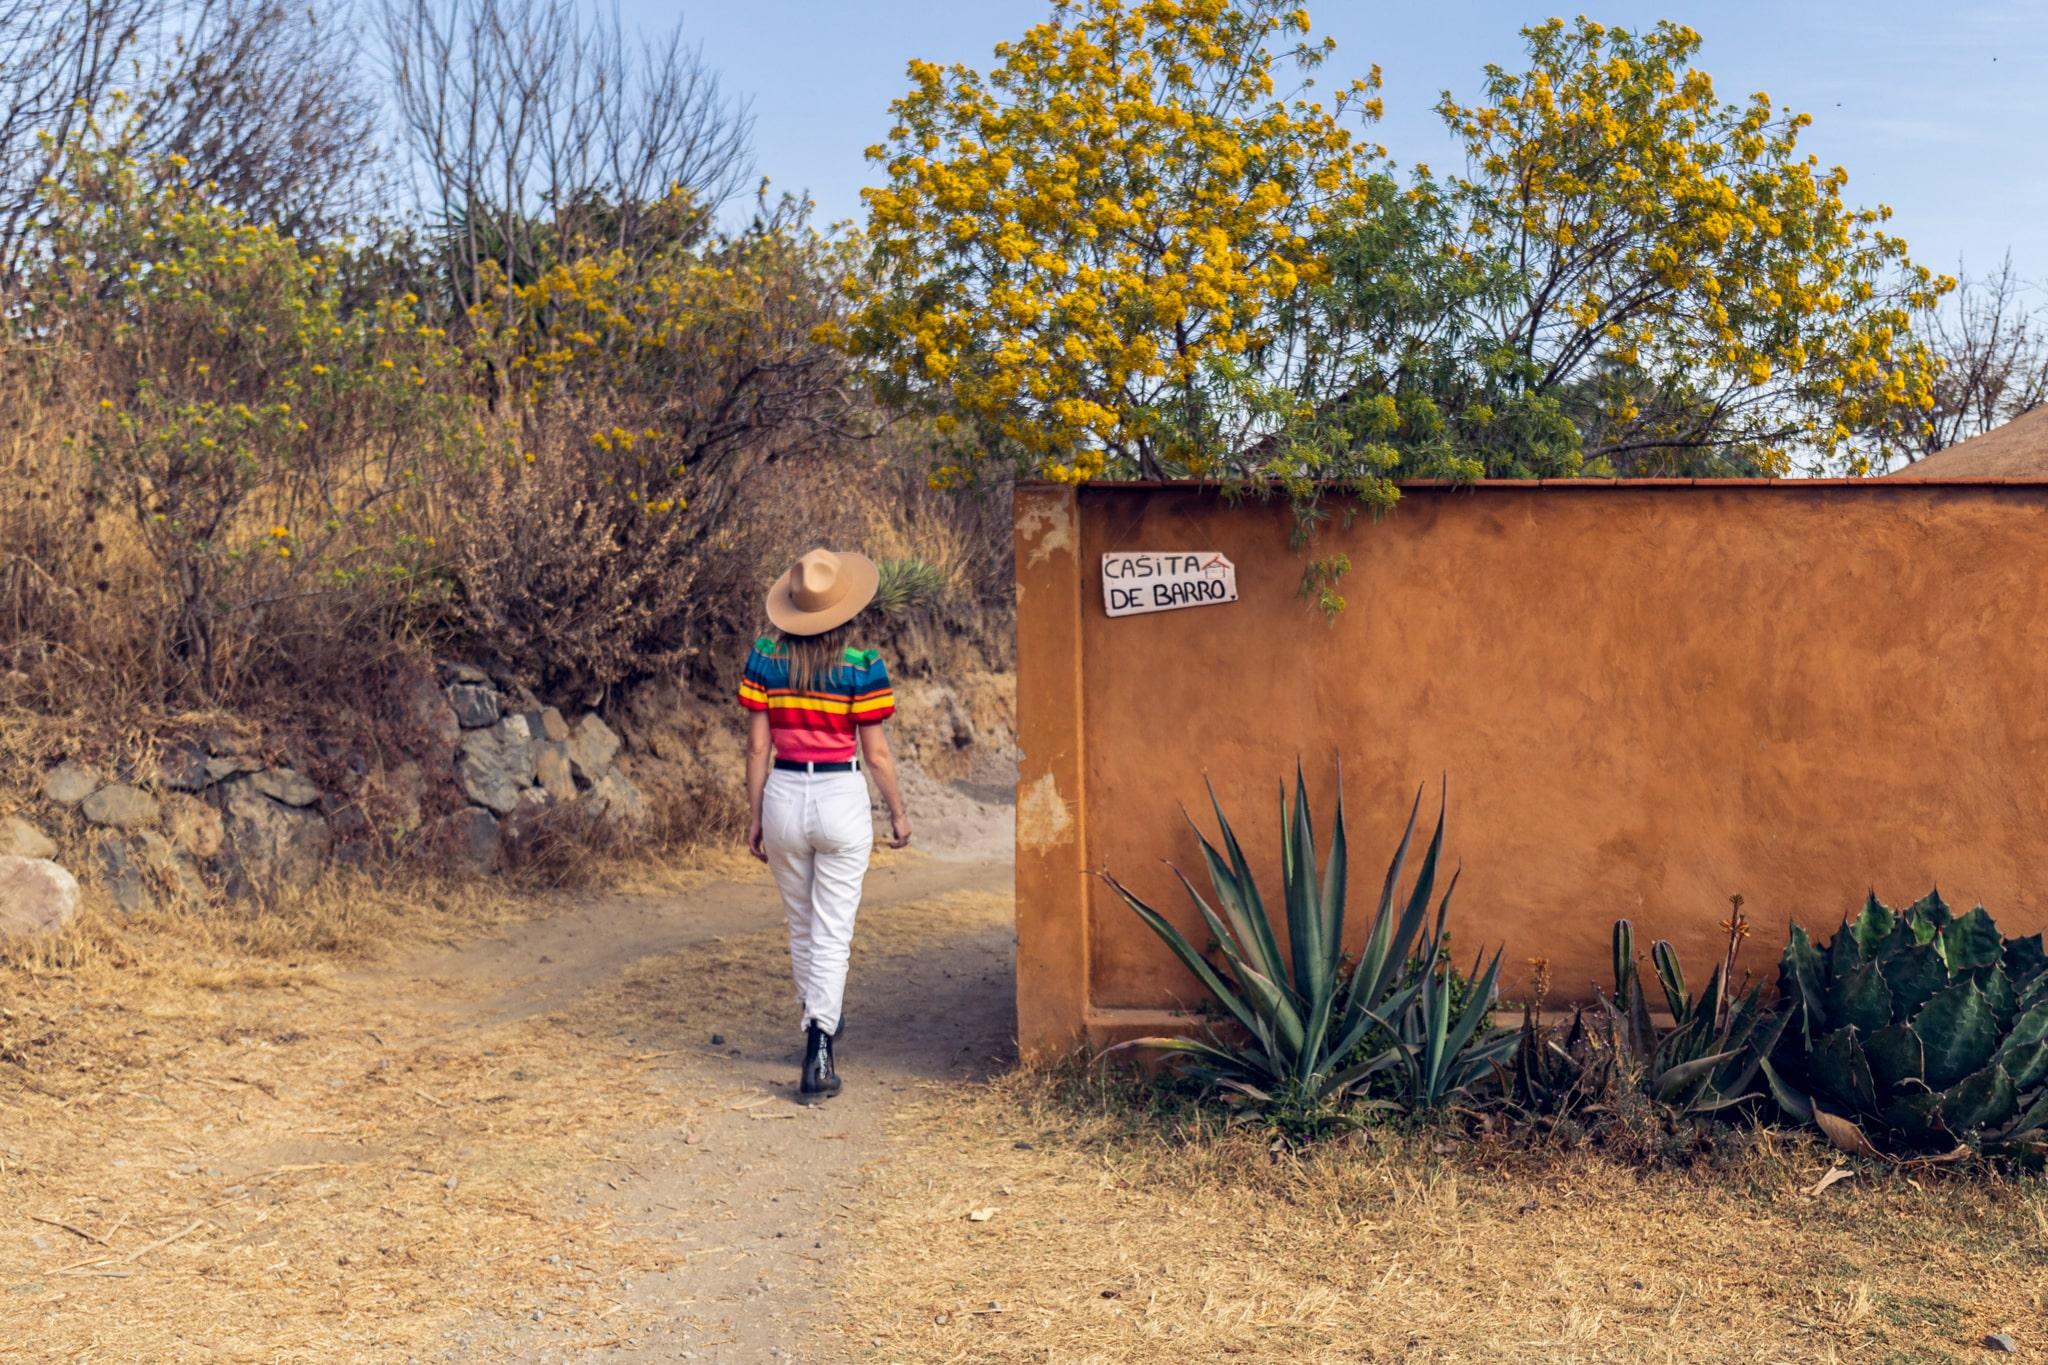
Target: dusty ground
x: 524, y: 1144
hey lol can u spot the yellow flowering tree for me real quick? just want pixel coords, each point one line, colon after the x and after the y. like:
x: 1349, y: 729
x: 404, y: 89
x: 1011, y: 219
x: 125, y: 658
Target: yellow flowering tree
x: 1691, y: 287
x: 263, y: 438
x: 1089, y: 255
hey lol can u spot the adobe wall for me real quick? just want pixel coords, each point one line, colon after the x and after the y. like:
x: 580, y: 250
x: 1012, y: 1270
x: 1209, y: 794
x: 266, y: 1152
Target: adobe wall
x: 1646, y: 696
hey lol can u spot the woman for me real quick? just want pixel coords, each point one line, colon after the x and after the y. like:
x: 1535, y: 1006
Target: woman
x: 817, y: 699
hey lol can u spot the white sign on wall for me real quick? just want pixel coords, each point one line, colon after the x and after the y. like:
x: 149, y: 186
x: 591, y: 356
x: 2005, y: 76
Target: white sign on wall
x: 1162, y: 580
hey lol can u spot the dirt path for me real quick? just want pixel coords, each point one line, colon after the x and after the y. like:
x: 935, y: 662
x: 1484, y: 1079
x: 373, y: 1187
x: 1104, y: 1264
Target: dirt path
x: 757, y: 1195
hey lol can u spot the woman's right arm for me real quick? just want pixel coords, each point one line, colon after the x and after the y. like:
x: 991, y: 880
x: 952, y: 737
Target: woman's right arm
x: 759, y: 753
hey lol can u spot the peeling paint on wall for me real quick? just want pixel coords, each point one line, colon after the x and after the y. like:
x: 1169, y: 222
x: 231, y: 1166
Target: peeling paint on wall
x: 1046, y: 523
x: 1043, y: 816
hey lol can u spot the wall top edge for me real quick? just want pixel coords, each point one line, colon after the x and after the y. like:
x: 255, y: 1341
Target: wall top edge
x: 1892, y: 485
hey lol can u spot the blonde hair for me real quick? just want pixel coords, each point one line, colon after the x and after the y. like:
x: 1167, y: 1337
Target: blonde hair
x: 813, y: 657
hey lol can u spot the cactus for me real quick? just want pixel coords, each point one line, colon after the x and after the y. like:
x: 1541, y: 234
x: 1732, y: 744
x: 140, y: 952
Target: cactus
x: 1916, y: 1033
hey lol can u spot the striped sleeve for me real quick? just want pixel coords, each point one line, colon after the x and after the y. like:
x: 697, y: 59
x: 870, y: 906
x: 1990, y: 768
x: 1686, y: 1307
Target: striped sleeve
x: 756, y: 680
x: 874, y: 701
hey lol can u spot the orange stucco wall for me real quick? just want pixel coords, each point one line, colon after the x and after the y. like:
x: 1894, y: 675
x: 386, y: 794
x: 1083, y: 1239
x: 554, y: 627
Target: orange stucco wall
x: 1646, y: 697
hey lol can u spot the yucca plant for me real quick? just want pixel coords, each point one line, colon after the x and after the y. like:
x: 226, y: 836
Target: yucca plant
x: 1920, y: 1033
x: 1300, y: 1014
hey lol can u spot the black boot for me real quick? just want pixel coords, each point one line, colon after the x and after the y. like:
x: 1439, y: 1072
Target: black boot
x: 820, y: 1081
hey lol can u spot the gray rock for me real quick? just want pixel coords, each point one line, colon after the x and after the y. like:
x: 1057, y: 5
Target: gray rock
x: 230, y: 765
x: 528, y: 817
x: 472, y: 839
x: 171, y: 866
x: 592, y: 747
x: 120, y: 806
x: 121, y: 872
x: 182, y: 768
x: 69, y: 783
x: 272, y: 847
x: 614, y: 798
x: 475, y: 705
x: 432, y: 713
x: 36, y: 896
x: 547, y: 724
x: 551, y: 769
x: 1999, y: 1341
x: 288, y: 785
x: 20, y: 839
x: 195, y: 827
x: 493, y: 766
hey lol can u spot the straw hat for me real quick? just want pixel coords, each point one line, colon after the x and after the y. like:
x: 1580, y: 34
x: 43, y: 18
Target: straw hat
x: 823, y: 590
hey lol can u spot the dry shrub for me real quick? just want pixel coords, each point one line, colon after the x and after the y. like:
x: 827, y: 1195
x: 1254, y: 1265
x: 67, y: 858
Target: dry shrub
x: 565, y: 848
x: 562, y: 580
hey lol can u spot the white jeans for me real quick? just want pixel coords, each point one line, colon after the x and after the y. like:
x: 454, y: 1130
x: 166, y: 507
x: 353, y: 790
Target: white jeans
x: 818, y: 832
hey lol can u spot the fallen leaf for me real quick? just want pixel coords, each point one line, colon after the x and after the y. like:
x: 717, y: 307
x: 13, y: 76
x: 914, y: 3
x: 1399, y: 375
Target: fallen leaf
x: 1834, y: 1174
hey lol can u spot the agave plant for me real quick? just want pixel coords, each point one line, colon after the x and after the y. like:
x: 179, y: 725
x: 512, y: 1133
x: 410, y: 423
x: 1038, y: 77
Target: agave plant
x: 1300, y: 1015
x: 1920, y: 1032
x: 1709, y: 1059
x: 1706, y: 1062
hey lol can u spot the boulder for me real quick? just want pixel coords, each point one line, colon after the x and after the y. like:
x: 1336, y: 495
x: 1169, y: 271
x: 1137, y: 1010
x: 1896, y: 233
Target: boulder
x: 36, y: 896
x: 121, y: 872
x: 472, y: 839
x: 547, y: 723
x: 592, y: 747
x: 493, y: 766
x: 182, y: 768
x: 171, y: 865
x: 475, y: 705
x: 527, y: 818
x: 20, y: 839
x: 287, y: 785
x: 272, y: 847
x: 551, y: 769
x: 355, y: 841
x: 392, y: 797
x: 222, y: 768
x: 120, y: 806
x: 69, y: 783
x: 613, y: 797
x: 432, y: 713
x: 195, y: 827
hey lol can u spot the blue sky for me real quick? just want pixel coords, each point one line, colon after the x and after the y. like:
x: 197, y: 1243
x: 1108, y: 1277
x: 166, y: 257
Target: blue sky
x: 1939, y: 112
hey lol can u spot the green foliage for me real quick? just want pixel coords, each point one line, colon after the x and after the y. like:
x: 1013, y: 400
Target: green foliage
x: 1302, y: 1014
x: 1918, y: 1032
x: 1319, y: 579
x: 906, y: 585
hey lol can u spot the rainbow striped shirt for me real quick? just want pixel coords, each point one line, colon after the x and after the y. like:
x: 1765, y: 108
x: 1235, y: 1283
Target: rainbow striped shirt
x: 817, y: 725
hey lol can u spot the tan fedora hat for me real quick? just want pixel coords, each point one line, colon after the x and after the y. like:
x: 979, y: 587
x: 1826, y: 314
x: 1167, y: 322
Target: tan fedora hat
x: 823, y: 590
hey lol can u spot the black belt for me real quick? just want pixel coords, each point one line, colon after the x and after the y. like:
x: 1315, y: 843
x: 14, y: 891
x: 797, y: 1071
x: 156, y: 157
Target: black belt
x: 791, y: 765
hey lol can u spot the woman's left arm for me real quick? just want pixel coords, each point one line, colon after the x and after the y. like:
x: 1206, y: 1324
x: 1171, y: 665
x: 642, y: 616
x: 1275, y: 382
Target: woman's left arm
x: 875, y: 753
x: 760, y: 748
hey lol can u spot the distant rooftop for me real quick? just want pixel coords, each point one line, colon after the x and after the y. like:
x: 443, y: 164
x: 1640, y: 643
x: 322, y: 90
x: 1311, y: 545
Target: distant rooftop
x: 2017, y: 450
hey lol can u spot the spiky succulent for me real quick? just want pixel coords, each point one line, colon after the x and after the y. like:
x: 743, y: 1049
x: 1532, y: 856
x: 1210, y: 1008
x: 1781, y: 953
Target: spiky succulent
x: 1300, y: 1016
x: 1706, y: 1062
x: 1918, y: 1032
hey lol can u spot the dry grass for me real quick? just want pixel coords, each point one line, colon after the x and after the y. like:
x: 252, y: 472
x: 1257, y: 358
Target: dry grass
x: 226, y: 1138
x: 1117, y: 1235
